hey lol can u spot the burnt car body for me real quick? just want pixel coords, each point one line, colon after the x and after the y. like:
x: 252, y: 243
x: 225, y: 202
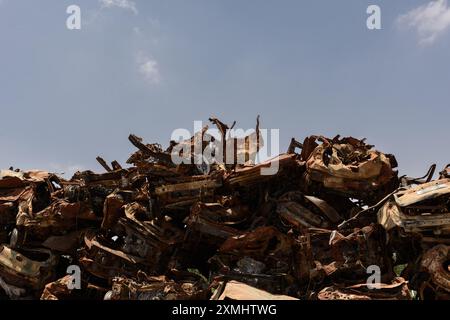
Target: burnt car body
x: 349, y: 167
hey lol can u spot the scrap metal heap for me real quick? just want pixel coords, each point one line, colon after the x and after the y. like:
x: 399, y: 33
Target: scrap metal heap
x: 334, y: 215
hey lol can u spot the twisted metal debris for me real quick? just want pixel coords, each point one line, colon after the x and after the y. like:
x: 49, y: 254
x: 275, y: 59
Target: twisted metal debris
x: 335, y: 210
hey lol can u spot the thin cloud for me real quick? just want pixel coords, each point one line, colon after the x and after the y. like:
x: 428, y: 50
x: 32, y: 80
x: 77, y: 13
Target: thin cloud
x: 124, y: 4
x: 430, y: 21
x: 148, y: 68
x: 137, y: 30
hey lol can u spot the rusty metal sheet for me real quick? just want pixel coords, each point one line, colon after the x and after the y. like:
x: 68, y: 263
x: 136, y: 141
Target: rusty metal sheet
x: 397, y: 290
x: 423, y: 192
x: 235, y: 290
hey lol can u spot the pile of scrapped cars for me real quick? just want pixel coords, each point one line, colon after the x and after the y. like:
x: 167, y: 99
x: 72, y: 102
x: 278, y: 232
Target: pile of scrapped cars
x: 335, y: 221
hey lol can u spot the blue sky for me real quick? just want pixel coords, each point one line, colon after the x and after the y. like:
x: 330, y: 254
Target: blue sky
x: 148, y: 67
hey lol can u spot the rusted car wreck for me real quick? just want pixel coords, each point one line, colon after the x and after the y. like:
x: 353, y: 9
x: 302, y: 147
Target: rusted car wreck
x: 335, y: 221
